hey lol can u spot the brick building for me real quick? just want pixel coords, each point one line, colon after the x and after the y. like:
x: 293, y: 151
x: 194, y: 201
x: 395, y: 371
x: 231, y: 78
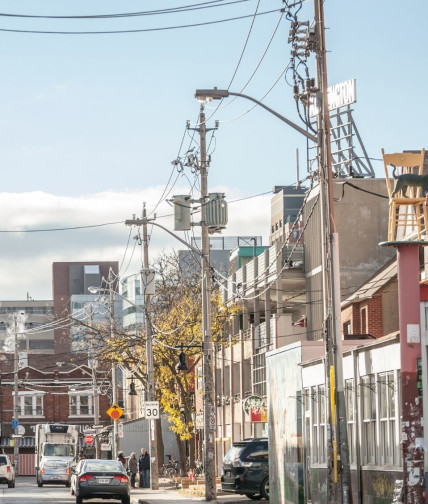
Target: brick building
x: 55, y: 384
x: 372, y: 311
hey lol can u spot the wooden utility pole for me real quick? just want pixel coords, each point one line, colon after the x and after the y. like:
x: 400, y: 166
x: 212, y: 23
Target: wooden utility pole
x: 207, y: 342
x: 339, y: 475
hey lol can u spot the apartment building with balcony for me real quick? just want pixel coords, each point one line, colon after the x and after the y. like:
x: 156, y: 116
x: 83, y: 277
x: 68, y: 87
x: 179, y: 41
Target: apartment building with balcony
x: 279, y: 292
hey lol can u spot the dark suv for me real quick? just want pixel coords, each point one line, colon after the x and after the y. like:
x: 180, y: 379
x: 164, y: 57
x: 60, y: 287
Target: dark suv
x: 246, y: 469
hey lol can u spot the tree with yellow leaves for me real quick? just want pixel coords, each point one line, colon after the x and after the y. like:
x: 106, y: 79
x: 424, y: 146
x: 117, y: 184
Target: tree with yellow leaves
x: 176, y: 323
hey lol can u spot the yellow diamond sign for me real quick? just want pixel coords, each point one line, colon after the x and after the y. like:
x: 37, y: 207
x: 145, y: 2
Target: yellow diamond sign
x: 115, y: 412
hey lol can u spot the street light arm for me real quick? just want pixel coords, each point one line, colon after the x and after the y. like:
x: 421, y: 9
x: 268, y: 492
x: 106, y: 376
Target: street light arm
x: 218, y: 94
x: 140, y: 222
x: 284, y: 119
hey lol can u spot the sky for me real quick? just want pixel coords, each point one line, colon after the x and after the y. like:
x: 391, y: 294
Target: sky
x: 91, y: 123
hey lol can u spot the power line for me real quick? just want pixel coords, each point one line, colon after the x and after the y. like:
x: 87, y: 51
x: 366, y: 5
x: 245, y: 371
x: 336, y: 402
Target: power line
x: 172, y: 10
x: 61, y: 229
x: 140, y: 30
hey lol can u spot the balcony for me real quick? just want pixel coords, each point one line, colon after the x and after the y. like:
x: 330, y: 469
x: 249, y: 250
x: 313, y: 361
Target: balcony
x: 264, y: 268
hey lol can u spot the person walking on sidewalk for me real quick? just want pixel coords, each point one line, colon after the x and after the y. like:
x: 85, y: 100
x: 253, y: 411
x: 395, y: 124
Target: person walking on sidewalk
x: 144, y: 467
x: 133, y: 468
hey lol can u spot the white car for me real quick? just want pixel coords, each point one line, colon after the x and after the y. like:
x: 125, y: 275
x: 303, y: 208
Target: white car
x: 7, y: 471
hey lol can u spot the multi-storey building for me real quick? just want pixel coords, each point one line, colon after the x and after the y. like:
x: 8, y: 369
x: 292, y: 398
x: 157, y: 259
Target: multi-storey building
x: 55, y: 382
x: 279, y: 293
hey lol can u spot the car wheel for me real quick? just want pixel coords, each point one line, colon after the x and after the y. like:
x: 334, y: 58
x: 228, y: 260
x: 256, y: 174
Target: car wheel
x: 79, y: 500
x: 253, y: 496
x: 126, y: 500
x: 67, y: 485
x: 10, y: 484
x: 265, y: 489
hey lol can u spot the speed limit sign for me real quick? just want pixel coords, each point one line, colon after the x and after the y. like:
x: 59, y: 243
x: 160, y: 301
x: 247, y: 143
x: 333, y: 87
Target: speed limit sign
x: 152, y: 410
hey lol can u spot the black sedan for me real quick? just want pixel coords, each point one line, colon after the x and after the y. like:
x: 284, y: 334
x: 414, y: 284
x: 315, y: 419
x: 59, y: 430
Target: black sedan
x: 100, y: 479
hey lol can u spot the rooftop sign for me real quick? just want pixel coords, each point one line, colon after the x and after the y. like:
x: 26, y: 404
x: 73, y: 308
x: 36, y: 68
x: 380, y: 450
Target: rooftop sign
x: 339, y: 95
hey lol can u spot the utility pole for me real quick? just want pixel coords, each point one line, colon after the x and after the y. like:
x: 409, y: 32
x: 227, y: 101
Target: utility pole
x: 154, y: 468
x: 207, y: 350
x: 338, y: 442
x: 207, y: 343
x: 15, y: 396
x: 113, y: 366
x: 94, y: 384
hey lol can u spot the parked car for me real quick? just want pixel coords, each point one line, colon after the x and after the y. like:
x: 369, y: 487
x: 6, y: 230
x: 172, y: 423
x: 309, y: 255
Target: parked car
x: 54, y: 471
x: 100, y: 479
x: 246, y: 469
x: 7, y: 471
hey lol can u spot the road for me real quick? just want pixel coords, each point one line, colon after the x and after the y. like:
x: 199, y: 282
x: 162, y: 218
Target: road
x: 26, y: 490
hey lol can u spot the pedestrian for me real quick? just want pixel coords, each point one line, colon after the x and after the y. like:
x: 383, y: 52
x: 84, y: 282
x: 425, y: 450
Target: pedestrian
x: 121, y: 458
x: 144, y: 468
x: 133, y: 467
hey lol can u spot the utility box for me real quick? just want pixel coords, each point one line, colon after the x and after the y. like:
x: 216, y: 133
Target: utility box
x: 148, y: 282
x: 216, y: 212
x: 182, y: 213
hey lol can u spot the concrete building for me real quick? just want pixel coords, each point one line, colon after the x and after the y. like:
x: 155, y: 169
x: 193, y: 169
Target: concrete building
x: 36, y: 316
x: 285, y: 205
x: 361, y: 215
x: 220, y: 248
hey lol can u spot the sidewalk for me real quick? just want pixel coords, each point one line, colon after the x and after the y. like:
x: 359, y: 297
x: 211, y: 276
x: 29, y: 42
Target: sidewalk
x: 168, y: 493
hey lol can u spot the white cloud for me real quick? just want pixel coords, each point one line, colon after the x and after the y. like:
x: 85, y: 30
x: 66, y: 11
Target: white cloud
x: 27, y: 257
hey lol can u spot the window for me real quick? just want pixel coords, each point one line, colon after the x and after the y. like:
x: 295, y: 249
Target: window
x: 45, y: 344
x: 368, y: 386
x: 30, y: 404
x: 322, y: 426
x: 350, y: 415
x: 380, y: 419
x: 363, y: 317
x: 259, y: 374
x: 81, y: 404
x: 347, y: 328
x: 315, y: 405
x: 388, y: 439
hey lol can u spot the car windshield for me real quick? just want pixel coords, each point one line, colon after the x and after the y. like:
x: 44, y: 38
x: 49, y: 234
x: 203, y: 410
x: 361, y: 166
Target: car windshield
x: 52, y: 450
x: 104, y: 465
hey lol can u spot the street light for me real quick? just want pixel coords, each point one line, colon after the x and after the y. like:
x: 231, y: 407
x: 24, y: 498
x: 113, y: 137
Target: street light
x: 207, y: 95
x: 331, y: 278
